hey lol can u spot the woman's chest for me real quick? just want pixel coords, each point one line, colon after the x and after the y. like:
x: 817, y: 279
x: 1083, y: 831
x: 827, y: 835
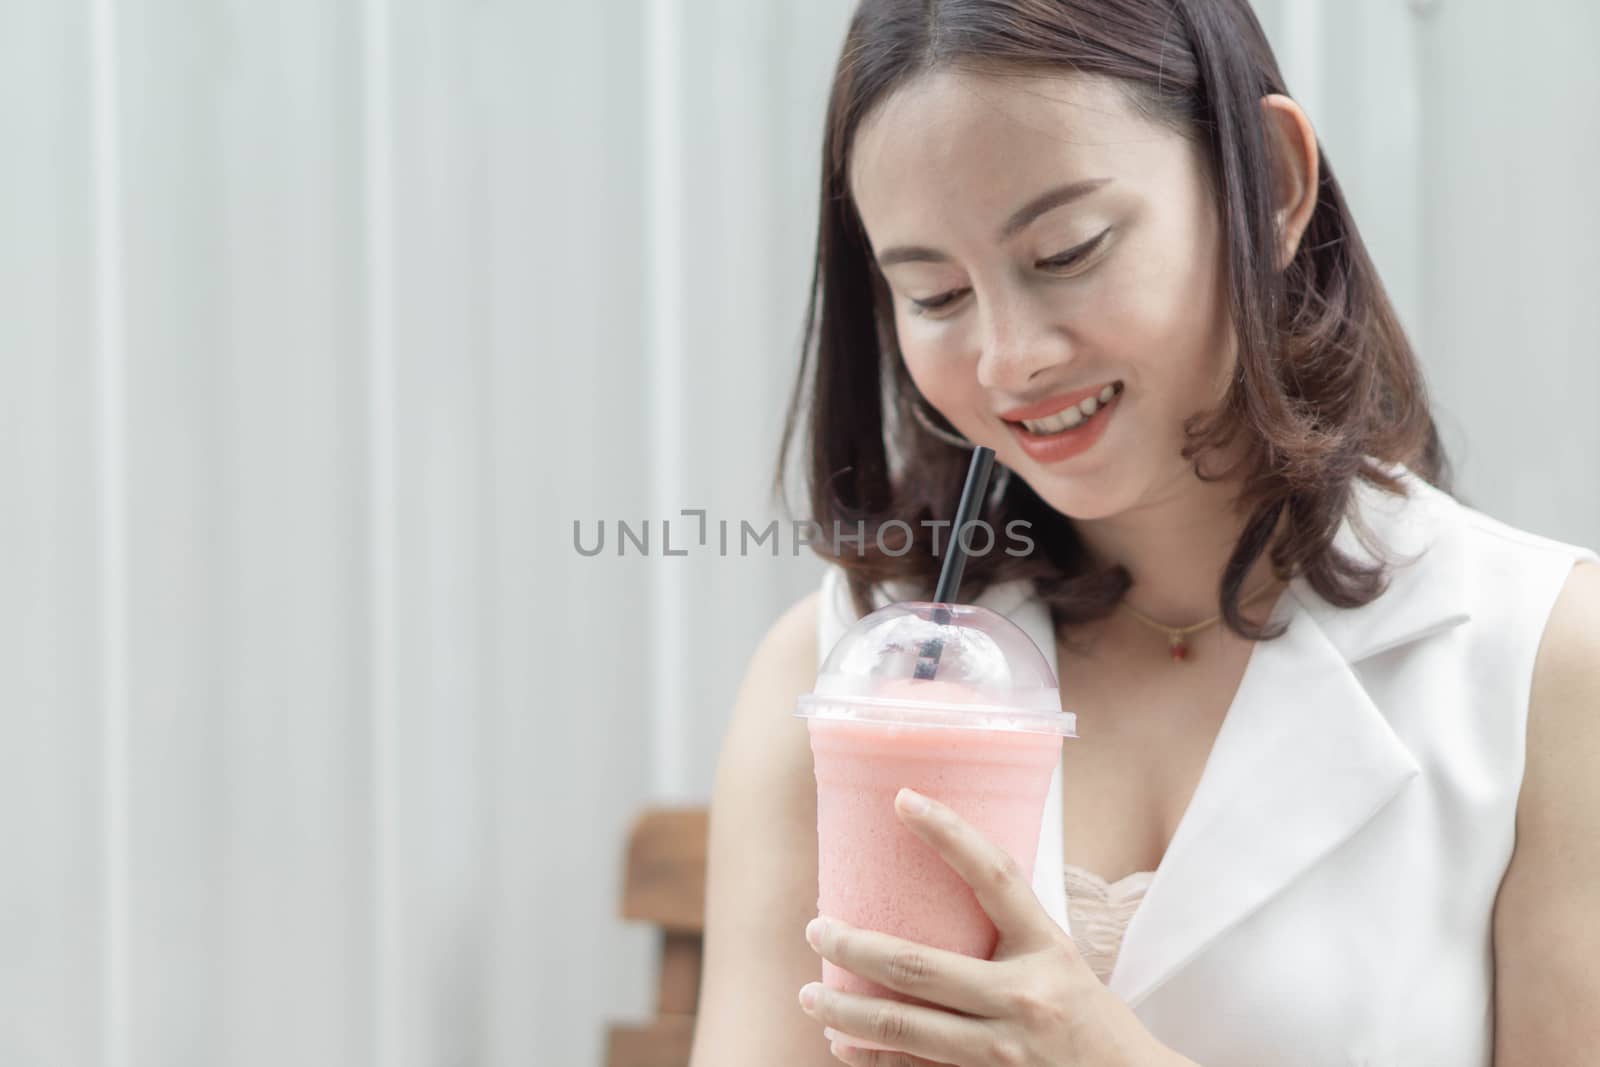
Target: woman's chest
x: 1142, y: 746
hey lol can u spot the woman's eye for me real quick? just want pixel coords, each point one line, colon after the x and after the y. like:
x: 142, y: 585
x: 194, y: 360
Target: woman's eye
x: 1073, y: 256
x: 935, y: 303
x: 1067, y: 260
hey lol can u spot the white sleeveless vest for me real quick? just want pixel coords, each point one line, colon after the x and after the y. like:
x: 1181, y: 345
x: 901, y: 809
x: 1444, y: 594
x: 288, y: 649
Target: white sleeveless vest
x: 1327, y: 897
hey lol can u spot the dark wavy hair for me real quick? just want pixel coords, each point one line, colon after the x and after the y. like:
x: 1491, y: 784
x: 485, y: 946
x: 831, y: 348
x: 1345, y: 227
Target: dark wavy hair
x: 1327, y: 389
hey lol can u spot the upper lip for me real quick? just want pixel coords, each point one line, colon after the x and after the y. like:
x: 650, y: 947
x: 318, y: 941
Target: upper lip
x: 1043, y: 409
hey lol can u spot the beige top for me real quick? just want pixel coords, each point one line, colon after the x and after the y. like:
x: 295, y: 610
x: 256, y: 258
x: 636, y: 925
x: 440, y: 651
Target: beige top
x: 1100, y: 912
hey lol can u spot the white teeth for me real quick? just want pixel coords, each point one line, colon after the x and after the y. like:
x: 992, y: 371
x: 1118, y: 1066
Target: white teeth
x: 1073, y: 416
x: 1061, y: 420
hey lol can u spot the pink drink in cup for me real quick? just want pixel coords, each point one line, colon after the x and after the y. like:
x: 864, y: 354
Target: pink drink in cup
x: 981, y: 735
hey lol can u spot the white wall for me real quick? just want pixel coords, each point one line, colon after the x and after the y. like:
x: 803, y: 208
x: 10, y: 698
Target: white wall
x: 321, y: 325
x: 1467, y: 136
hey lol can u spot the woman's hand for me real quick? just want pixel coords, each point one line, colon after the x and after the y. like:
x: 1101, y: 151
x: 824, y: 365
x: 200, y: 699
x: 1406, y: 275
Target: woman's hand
x: 1034, y: 1003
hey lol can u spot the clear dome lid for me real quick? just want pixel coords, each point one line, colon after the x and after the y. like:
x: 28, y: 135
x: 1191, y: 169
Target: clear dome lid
x: 956, y: 665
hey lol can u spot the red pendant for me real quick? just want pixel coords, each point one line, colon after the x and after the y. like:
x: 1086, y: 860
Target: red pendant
x: 1179, y: 648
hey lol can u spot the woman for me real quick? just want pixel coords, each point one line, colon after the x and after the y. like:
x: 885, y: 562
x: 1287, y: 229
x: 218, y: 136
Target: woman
x: 1333, y: 796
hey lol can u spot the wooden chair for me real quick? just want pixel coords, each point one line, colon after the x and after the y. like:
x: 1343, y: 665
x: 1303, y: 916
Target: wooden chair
x: 665, y: 884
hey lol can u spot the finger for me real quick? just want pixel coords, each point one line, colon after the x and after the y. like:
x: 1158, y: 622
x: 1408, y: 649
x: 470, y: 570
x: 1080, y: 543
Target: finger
x: 948, y: 979
x: 927, y: 1032
x: 994, y: 875
x: 865, y: 1057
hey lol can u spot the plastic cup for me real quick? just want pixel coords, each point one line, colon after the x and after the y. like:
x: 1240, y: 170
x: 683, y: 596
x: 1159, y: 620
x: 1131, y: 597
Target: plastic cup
x: 982, y: 736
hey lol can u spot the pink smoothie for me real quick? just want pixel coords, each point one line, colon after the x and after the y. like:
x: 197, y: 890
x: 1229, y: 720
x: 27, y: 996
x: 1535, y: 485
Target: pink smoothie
x: 872, y: 871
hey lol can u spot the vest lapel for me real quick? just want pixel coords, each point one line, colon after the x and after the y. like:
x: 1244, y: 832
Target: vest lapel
x: 1302, y: 761
x: 1304, y: 758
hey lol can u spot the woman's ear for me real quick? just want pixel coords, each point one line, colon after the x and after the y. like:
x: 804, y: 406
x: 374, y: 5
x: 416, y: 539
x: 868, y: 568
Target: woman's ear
x: 1292, y: 147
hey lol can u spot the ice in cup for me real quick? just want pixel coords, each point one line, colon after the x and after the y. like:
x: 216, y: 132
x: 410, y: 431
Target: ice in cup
x: 957, y: 703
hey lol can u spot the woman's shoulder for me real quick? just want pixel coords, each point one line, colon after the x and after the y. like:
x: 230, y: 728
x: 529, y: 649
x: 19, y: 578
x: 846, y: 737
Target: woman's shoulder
x: 779, y: 670
x: 1564, y: 708
x: 789, y: 647
x: 764, y: 746
x: 1569, y: 655
x: 1443, y: 564
x: 1492, y: 535
x: 1452, y: 544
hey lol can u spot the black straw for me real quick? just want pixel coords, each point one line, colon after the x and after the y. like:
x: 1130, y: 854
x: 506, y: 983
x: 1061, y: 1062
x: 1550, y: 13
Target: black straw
x: 955, y: 562
x: 966, y: 511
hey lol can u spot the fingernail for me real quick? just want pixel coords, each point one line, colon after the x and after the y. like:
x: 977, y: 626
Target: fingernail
x: 814, y: 930
x: 915, y: 803
x: 808, y: 996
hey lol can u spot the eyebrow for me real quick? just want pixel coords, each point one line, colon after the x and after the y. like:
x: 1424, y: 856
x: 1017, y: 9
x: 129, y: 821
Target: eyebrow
x: 1046, y: 201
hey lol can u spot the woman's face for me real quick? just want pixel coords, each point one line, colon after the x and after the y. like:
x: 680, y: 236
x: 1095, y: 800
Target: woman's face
x: 1050, y: 252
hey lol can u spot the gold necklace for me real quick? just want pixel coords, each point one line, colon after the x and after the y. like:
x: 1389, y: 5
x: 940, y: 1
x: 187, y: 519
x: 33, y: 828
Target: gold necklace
x: 1178, y: 636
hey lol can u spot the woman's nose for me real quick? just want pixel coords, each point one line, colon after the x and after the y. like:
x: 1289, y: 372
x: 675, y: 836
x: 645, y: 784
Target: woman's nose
x: 1019, y: 342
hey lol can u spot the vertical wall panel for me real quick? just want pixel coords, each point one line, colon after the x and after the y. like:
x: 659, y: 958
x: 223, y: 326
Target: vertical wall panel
x: 569, y: 690
x: 171, y: 68
x: 246, y: 761
x: 288, y: 697
x: 1511, y: 238
x: 52, y: 874
x: 440, y: 275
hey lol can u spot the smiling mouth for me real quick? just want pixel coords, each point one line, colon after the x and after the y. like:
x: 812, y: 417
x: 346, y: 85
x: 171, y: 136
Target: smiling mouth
x: 1074, y: 417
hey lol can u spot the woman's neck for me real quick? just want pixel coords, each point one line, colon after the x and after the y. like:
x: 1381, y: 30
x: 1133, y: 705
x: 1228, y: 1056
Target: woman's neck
x: 1176, y: 549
